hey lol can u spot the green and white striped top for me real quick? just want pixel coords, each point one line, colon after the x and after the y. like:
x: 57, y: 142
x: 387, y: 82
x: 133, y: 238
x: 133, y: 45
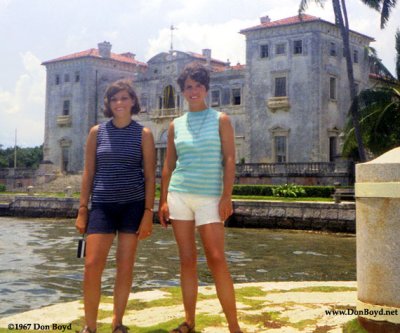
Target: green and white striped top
x: 198, y: 145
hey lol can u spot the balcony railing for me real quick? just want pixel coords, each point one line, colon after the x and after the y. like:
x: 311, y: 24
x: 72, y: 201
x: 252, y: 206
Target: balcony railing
x: 273, y: 169
x: 278, y: 103
x: 64, y: 120
x: 285, y: 169
x: 166, y: 113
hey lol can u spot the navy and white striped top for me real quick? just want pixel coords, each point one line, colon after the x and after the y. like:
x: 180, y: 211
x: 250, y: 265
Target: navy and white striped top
x: 198, y: 146
x: 119, y: 172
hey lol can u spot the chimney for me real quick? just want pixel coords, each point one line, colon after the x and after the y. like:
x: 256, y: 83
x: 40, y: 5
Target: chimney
x: 265, y: 19
x: 105, y: 49
x: 207, y: 54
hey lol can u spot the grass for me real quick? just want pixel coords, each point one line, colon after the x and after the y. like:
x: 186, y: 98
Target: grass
x: 353, y: 326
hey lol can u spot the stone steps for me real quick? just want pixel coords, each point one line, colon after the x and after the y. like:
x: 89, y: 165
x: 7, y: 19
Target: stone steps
x: 60, y: 184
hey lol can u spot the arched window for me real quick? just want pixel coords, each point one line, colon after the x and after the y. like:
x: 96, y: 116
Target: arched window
x: 169, y: 97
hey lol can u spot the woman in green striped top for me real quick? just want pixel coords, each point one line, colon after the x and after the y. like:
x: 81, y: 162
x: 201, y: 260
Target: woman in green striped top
x: 196, y: 188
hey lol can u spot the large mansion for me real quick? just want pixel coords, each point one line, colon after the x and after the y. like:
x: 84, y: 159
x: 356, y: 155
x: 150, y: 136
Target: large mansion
x: 288, y: 103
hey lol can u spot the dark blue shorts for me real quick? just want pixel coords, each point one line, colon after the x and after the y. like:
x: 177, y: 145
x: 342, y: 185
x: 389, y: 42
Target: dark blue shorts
x: 108, y: 218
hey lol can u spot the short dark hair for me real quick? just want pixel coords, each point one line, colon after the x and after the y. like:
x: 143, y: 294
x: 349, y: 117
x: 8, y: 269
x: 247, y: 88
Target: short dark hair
x: 197, y: 72
x: 115, y: 88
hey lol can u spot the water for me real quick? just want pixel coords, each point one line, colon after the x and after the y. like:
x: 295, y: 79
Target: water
x: 38, y: 264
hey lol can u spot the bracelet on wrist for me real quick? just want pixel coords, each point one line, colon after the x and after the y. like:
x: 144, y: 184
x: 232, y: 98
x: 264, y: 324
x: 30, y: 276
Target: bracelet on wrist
x: 149, y: 209
x: 83, y: 206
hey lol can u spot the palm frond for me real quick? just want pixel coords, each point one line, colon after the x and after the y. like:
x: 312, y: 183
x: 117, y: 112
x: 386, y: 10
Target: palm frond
x: 304, y: 5
x: 387, y: 6
x: 374, y: 4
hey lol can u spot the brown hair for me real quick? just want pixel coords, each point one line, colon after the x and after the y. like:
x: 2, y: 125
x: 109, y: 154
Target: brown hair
x: 196, y: 72
x: 115, y: 88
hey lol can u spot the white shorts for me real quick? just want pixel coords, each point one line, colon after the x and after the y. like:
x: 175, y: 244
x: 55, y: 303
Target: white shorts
x: 202, y: 209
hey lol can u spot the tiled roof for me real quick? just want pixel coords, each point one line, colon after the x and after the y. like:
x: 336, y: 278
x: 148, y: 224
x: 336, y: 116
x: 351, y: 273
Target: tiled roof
x: 294, y: 20
x: 236, y: 67
x: 286, y: 21
x: 200, y: 56
x: 94, y: 53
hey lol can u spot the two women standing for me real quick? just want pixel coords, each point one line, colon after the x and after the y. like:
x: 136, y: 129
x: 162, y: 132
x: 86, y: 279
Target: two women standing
x: 196, y: 187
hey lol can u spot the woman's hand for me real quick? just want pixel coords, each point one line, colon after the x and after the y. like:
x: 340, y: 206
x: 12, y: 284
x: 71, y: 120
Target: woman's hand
x: 225, y: 207
x: 82, y: 220
x: 146, y: 225
x: 163, y: 214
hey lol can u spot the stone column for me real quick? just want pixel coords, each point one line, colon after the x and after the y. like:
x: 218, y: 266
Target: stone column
x: 377, y: 192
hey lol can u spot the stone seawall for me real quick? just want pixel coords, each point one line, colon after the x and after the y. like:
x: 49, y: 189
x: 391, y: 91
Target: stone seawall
x: 32, y: 206
x: 319, y: 216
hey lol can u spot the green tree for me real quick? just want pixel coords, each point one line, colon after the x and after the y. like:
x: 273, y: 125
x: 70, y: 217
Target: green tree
x: 341, y: 20
x: 26, y: 157
x: 380, y: 111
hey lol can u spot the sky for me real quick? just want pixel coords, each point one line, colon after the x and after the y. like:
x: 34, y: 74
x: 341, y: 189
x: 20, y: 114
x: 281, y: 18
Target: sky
x: 34, y: 31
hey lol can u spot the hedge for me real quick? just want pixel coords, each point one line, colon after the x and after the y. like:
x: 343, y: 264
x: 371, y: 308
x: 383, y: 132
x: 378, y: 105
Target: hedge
x: 2, y: 188
x: 266, y: 190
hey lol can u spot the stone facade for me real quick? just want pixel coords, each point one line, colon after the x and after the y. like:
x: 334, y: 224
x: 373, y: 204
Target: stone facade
x: 287, y: 104
x: 297, y: 97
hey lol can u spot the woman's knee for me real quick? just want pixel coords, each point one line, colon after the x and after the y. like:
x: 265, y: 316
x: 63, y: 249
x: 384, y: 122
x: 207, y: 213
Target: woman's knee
x: 94, y: 264
x: 188, y: 260
x: 215, y: 259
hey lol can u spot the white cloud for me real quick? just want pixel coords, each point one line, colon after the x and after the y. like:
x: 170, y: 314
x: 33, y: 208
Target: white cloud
x: 4, y: 4
x: 223, y: 39
x: 23, y: 108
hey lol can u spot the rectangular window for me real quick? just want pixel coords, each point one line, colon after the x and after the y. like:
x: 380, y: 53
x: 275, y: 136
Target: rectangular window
x: 298, y: 47
x: 280, y: 86
x: 215, y: 98
x: 332, y: 87
x: 160, y: 104
x: 332, y: 148
x: 236, y: 96
x: 66, y: 77
x: 57, y: 79
x: 332, y: 50
x: 355, y: 56
x: 77, y: 77
x: 65, y: 158
x: 280, y: 48
x: 264, y: 51
x: 66, y: 109
x: 280, y: 149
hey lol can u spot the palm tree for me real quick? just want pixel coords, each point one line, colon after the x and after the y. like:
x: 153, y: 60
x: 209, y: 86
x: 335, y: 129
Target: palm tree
x: 341, y: 20
x: 382, y: 6
x: 379, y: 111
x: 397, y: 46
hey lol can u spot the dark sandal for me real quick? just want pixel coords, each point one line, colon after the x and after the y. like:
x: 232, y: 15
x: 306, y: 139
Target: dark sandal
x: 121, y: 328
x: 86, y: 329
x: 186, y: 328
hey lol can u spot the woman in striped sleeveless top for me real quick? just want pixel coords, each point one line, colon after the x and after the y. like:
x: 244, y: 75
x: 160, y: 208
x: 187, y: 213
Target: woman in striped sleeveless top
x: 119, y: 179
x: 196, y: 187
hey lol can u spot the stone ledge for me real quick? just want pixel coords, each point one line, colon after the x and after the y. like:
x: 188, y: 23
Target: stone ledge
x: 304, y: 301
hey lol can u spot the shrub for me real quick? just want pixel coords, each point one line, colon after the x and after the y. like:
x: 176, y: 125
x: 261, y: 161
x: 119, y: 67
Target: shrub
x: 288, y: 191
x: 2, y: 188
x: 266, y: 190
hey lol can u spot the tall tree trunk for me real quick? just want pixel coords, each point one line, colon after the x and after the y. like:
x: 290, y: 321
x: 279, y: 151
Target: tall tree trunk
x: 398, y: 54
x: 339, y: 9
